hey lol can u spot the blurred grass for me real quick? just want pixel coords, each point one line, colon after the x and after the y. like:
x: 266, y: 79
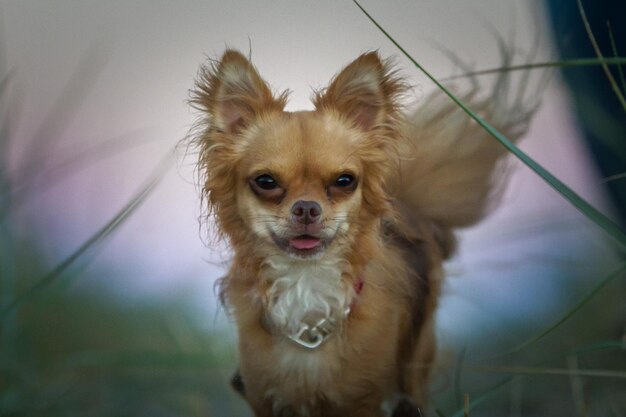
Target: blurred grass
x: 86, y: 354
x: 116, y: 221
x: 596, y: 48
x: 70, y: 352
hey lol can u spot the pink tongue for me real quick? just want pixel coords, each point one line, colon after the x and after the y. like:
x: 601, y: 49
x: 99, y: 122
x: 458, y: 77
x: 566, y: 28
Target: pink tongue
x: 305, y: 242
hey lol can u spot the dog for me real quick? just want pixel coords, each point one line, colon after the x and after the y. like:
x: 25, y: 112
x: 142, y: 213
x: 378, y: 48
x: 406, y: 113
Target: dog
x: 340, y: 220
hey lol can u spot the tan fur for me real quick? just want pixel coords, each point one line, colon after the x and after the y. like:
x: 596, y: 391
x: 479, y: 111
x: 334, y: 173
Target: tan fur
x: 419, y: 175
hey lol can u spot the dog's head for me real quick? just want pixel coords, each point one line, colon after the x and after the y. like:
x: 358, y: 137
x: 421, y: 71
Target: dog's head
x: 304, y: 183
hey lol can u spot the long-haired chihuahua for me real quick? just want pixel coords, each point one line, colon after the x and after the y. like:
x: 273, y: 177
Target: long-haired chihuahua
x: 339, y: 220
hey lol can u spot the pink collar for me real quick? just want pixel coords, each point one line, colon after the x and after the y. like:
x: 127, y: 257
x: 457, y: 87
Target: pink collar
x: 358, y: 285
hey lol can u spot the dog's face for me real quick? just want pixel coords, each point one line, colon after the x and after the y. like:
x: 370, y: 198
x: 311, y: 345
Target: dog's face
x: 303, y: 183
x: 298, y: 184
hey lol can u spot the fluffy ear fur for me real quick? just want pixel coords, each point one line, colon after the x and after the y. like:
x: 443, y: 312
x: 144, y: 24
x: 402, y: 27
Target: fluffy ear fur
x: 231, y: 95
x: 366, y: 92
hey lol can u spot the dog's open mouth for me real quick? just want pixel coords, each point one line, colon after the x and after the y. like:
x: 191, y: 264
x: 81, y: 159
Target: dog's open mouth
x: 304, y: 245
x: 305, y: 242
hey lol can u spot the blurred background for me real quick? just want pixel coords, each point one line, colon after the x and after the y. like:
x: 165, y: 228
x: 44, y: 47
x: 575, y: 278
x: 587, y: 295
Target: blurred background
x: 107, y: 274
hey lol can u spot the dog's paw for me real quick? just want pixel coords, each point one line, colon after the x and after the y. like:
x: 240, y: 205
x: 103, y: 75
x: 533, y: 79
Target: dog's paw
x: 236, y: 382
x: 407, y: 408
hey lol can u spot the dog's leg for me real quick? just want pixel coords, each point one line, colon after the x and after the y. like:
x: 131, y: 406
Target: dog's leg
x: 417, y: 371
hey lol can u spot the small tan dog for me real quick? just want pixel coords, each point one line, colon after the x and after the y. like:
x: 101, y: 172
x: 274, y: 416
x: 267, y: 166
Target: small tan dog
x: 340, y: 219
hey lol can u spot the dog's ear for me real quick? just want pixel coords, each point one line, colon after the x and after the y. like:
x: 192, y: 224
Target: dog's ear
x: 366, y: 91
x: 232, y: 93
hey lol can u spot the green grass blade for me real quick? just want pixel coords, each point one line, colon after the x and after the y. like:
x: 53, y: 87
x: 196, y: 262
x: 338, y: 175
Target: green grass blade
x: 606, y: 345
x: 8, y: 268
x: 582, y: 205
x: 141, y: 359
x: 614, y: 177
x: 466, y: 405
x: 457, y: 377
x: 4, y: 131
x: 616, y: 54
x: 596, y: 48
x: 487, y: 393
x: 588, y: 297
x: 105, y: 231
x: 582, y: 62
x: 4, y: 83
x: 77, y: 161
x: 539, y: 370
x: 63, y: 110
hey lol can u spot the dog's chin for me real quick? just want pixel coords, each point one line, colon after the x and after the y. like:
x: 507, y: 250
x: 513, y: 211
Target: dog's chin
x: 302, y: 246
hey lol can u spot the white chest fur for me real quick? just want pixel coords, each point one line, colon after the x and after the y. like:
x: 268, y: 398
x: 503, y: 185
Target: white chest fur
x: 303, y: 292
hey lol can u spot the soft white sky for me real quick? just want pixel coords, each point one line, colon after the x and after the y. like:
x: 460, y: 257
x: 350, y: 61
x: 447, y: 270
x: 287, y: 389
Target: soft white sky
x: 141, y: 57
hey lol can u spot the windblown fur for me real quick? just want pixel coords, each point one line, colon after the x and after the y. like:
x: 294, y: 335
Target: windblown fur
x: 343, y: 214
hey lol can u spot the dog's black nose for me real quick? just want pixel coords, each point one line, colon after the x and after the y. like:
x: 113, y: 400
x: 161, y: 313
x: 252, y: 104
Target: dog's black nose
x: 306, y: 212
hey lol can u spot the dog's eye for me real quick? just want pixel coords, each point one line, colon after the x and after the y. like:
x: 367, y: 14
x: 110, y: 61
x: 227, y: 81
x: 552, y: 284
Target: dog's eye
x: 344, y: 180
x: 343, y: 186
x: 267, y: 188
x: 266, y: 182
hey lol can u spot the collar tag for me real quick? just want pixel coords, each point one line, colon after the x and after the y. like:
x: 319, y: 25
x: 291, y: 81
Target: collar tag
x: 312, y: 337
